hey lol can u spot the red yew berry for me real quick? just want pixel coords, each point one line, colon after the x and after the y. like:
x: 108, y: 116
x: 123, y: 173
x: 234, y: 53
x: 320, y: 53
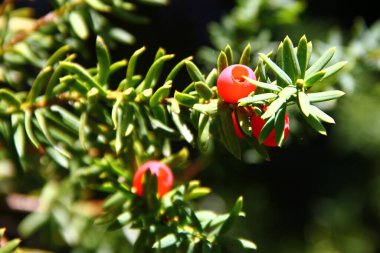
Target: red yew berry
x: 235, y: 122
x: 164, y: 175
x: 257, y: 124
x: 231, y: 84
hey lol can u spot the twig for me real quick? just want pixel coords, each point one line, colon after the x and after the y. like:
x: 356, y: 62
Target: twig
x: 42, y: 21
x: 4, y: 5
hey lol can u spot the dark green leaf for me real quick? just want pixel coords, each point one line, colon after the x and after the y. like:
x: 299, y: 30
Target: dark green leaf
x: 244, y: 121
x: 44, y: 127
x: 302, y: 55
x: 222, y: 62
x: 280, y: 56
x: 279, y: 123
x: 19, y: 133
x: 154, y: 72
x: 104, y: 61
x: 280, y: 63
x: 315, y: 123
x: 291, y: 65
x: 204, y: 132
x: 182, y: 127
x: 234, y: 214
x: 29, y: 128
x: 8, y: 95
x: 229, y: 54
x: 206, y: 246
x: 185, y: 99
x: 114, y: 67
x: 281, y: 75
x: 83, y: 75
x: 246, y: 55
x: 273, y: 107
x: 267, y: 129
x: 203, y: 90
x: 253, y: 142
x: 227, y: 131
x: 160, y: 94
x: 173, y: 73
x: 58, y: 55
x: 68, y: 118
x: 211, y: 78
x: 132, y: 66
x: 194, y: 73
x: 39, y: 83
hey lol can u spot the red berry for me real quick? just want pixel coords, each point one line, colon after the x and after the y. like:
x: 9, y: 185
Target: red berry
x: 164, y: 175
x: 236, y: 126
x: 257, y: 124
x: 231, y: 84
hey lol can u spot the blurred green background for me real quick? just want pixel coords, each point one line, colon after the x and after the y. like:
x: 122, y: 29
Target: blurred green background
x: 317, y: 194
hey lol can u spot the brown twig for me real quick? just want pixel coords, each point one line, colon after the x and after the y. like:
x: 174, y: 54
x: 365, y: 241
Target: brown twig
x: 24, y: 34
x: 42, y: 21
x: 4, y: 5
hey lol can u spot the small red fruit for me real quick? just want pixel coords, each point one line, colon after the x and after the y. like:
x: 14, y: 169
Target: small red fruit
x: 238, y: 131
x: 164, y: 175
x: 257, y: 124
x: 231, y: 84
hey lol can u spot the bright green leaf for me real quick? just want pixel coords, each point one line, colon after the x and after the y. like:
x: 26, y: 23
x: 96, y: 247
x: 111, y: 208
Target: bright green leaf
x: 303, y: 103
x: 321, y: 115
x: 273, y: 107
x: 324, y: 95
x: 78, y: 24
x: 194, y: 73
x: 256, y: 99
x: 321, y: 62
x: 266, y: 86
x: 314, y: 78
x: 165, y: 242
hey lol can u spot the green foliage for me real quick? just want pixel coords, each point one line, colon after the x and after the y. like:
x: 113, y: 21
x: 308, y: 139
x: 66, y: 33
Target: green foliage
x: 10, y: 246
x: 83, y: 131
